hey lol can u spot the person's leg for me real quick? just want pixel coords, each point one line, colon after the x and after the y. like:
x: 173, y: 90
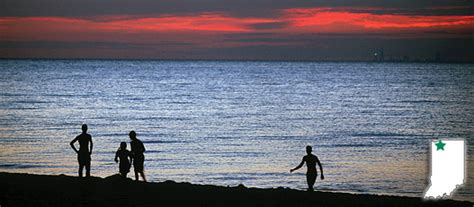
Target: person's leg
x: 123, y: 169
x: 138, y: 166
x: 143, y: 175
x: 88, y: 169
x: 81, y: 167
x: 311, y: 179
x: 81, y: 164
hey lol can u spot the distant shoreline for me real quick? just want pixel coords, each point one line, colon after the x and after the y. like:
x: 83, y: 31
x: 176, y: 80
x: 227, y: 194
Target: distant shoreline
x: 242, y: 60
x: 52, y: 190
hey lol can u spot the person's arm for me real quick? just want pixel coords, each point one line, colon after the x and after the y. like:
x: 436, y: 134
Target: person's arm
x: 143, y: 147
x: 92, y: 145
x: 72, y: 145
x: 298, y: 167
x: 116, y: 156
x: 320, y: 168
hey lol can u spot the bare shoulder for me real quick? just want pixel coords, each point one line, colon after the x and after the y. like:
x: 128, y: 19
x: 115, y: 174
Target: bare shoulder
x: 316, y: 157
x: 305, y: 158
x: 76, y: 138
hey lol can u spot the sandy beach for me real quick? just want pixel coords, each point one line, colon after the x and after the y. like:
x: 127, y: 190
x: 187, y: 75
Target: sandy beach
x: 61, y: 190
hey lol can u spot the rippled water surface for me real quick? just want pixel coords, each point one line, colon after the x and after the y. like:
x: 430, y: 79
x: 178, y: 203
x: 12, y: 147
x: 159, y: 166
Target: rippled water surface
x: 227, y: 123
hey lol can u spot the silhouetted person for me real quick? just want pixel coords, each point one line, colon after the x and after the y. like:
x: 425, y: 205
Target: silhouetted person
x: 85, y: 150
x: 125, y: 157
x: 137, y: 153
x: 311, y: 161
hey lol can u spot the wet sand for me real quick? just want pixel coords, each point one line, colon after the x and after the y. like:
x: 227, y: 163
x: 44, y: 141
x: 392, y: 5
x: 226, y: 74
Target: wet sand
x: 47, y: 190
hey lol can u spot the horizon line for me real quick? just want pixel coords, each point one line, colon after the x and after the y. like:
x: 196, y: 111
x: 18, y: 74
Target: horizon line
x: 243, y: 60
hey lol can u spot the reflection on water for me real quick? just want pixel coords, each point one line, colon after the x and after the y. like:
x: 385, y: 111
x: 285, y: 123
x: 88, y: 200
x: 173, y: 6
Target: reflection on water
x: 227, y: 123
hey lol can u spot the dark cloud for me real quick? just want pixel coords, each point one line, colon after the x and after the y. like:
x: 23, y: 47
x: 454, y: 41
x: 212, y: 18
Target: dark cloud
x: 261, y: 8
x: 349, y: 49
x: 426, y: 11
x: 314, y: 37
x: 455, y: 33
x: 317, y: 48
x: 64, y: 45
x: 85, y: 45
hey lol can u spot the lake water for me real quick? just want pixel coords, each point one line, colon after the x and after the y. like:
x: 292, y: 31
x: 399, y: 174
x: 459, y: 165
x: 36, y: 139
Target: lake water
x: 230, y: 123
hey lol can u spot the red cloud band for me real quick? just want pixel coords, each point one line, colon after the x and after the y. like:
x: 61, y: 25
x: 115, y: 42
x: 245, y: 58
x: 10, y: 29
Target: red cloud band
x: 295, y: 21
x: 321, y: 17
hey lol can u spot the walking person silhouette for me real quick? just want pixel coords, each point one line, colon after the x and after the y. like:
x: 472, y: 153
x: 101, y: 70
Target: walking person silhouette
x: 125, y: 157
x: 311, y: 173
x: 138, y: 149
x: 85, y: 150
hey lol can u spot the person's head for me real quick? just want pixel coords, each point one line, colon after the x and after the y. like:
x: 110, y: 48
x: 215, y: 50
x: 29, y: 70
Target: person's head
x: 123, y: 145
x: 309, y: 149
x: 132, y: 135
x: 84, y: 128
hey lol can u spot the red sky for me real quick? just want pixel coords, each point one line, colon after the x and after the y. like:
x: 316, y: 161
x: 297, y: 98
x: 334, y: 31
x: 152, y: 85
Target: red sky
x: 182, y: 34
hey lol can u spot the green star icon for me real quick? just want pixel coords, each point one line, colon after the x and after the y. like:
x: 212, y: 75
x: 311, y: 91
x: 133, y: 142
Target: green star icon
x: 440, y: 145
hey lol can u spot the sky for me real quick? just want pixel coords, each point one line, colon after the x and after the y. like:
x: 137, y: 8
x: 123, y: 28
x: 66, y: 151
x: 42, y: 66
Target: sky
x: 316, y: 30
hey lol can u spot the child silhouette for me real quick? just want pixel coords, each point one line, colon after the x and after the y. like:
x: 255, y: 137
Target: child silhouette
x: 125, y: 157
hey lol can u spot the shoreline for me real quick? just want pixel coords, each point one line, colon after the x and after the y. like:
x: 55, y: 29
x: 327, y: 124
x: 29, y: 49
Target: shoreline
x: 61, y: 190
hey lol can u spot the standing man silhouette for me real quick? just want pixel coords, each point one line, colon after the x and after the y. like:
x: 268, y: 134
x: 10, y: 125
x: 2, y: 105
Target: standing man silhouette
x: 311, y: 161
x: 138, y: 149
x: 84, y: 152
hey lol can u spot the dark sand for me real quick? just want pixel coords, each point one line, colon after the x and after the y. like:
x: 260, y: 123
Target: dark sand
x: 18, y: 190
